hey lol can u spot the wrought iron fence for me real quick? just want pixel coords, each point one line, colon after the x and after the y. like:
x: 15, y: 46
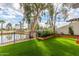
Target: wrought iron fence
x: 13, y: 38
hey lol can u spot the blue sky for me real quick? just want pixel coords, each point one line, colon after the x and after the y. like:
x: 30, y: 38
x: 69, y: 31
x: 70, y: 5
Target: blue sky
x: 12, y: 14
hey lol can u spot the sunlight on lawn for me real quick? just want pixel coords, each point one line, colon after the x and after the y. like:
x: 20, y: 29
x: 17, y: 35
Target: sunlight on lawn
x: 51, y: 47
x: 43, y: 48
x: 68, y: 41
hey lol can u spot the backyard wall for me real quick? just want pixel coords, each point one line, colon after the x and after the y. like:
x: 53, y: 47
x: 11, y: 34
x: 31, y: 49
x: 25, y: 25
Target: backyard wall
x: 65, y: 29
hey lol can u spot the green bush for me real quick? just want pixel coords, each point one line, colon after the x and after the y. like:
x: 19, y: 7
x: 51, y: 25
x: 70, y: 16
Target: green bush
x: 71, y: 31
x: 44, y: 33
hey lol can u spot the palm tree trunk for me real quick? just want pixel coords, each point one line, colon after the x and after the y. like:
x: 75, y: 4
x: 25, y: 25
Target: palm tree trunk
x: 20, y: 26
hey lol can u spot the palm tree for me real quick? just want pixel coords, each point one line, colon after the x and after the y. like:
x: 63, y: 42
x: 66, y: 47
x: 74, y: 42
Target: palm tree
x: 23, y: 21
x: 20, y: 23
x: 16, y: 26
x: 9, y: 26
x: 2, y: 22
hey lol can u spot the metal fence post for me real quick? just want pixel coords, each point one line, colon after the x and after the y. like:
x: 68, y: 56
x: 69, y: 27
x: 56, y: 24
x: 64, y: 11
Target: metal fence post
x: 14, y: 38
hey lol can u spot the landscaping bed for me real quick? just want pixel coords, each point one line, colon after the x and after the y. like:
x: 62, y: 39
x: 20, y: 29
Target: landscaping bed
x: 46, y: 34
x: 58, y: 35
x: 45, y: 38
x: 66, y: 36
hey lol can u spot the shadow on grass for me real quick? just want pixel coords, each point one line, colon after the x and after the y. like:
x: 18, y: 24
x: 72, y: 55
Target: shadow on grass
x: 29, y: 48
x: 50, y: 47
x: 62, y: 48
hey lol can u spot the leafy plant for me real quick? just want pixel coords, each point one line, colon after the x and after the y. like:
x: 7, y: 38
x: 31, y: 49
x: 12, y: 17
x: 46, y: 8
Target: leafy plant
x: 71, y: 31
x: 44, y: 33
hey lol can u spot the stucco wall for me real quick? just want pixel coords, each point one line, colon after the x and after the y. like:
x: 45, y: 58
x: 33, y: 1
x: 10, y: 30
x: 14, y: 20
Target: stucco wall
x: 76, y: 27
x: 65, y: 29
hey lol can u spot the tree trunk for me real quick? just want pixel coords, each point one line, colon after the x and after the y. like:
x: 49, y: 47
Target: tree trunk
x: 33, y: 32
x: 29, y: 28
x: 1, y: 33
x: 54, y: 24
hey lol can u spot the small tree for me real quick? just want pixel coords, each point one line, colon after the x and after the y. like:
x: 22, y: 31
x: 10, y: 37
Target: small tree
x: 71, y: 32
x: 9, y: 26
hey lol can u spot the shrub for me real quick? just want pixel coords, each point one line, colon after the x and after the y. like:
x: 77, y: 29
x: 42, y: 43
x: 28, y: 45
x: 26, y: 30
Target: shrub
x: 44, y: 33
x: 71, y: 31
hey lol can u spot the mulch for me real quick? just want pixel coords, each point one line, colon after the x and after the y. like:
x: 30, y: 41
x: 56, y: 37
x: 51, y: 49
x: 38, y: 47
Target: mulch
x: 59, y: 35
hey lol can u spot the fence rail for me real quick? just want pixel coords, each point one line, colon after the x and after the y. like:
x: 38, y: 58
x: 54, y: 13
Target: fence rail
x: 13, y: 38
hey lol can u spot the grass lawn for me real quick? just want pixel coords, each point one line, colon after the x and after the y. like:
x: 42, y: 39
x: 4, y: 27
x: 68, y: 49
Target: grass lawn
x: 53, y: 46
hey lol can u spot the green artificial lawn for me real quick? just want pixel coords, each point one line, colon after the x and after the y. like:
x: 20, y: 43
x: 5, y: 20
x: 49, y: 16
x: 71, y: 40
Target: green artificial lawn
x: 50, y: 47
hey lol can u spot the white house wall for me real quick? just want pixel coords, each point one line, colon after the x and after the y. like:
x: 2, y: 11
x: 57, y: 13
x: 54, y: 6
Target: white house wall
x: 65, y: 29
x: 75, y: 26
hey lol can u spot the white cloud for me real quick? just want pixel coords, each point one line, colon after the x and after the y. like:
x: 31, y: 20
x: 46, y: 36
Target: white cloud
x: 8, y: 13
x: 43, y: 25
x: 8, y: 17
x: 16, y: 5
x: 60, y: 24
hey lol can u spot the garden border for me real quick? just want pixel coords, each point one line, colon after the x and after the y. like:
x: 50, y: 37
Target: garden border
x: 58, y: 35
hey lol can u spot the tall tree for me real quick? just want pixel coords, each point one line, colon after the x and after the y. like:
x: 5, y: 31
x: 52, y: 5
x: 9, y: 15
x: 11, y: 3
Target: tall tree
x: 27, y: 11
x: 21, y: 25
x: 2, y: 22
x: 51, y: 14
x: 59, y: 9
x: 34, y: 10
